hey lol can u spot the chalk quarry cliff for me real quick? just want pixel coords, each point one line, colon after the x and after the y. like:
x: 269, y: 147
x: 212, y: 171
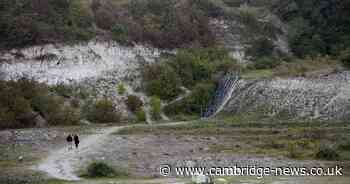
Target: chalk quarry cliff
x: 101, y: 66
x: 323, y: 98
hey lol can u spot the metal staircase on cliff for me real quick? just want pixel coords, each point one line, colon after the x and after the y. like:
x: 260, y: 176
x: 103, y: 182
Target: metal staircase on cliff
x: 222, y: 95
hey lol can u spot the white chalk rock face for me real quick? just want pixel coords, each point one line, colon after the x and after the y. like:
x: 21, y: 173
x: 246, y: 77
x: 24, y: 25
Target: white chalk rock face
x: 63, y: 63
x: 325, y: 98
x: 97, y: 66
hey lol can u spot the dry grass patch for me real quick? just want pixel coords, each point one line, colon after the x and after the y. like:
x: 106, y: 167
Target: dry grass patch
x: 308, y: 67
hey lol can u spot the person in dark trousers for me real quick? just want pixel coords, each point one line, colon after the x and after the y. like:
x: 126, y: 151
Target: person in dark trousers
x: 70, y: 142
x: 76, y: 141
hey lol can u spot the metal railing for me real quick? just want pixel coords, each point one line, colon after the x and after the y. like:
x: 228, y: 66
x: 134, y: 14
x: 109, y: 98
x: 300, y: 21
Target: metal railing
x: 222, y: 92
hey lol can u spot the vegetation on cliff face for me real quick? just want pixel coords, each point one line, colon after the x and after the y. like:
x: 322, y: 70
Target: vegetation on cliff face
x: 195, y: 69
x: 30, y: 22
x: 162, y: 23
x: 315, y: 27
x: 26, y: 103
x: 318, y: 27
x: 103, y: 111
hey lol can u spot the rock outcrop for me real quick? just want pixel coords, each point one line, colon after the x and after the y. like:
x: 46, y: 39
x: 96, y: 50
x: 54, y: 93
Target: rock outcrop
x: 74, y: 63
x: 97, y: 67
x: 324, y: 98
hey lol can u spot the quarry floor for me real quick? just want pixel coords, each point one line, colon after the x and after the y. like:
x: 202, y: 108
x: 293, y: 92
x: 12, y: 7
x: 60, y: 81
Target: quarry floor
x: 140, y: 150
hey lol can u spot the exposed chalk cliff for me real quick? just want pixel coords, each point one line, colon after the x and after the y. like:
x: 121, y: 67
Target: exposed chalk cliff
x: 237, y: 35
x: 95, y: 66
x: 325, y: 98
x: 63, y: 63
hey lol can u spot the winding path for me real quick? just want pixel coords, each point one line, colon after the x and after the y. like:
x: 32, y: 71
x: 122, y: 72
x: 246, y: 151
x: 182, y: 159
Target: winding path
x: 62, y: 163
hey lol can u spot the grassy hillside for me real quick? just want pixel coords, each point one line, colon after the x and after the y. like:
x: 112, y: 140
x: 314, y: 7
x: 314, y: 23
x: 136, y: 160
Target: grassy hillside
x: 165, y: 24
x: 315, y: 27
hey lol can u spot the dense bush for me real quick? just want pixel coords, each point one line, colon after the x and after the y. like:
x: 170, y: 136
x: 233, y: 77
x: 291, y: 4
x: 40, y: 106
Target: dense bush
x: 303, y: 67
x: 209, y: 7
x: 194, y: 104
x: 161, y: 80
x: 162, y: 23
x: 261, y: 48
x: 317, y: 27
x: 345, y: 145
x: 104, y: 111
x: 327, y: 153
x: 100, y: 169
x: 196, y: 69
x: 249, y: 17
x: 63, y: 90
x: 22, y: 101
x: 199, y: 65
x: 141, y: 115
x: 293, y: 150
x: 120, y: 33
x: 187, y: 68
x: 266, y: 63
x: 156, y: 107
x: 25, y: 22
x: 134, y: 103
x: 53, y: 109
x: 121, y: 89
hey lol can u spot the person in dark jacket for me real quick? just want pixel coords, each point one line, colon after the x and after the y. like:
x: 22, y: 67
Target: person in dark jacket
x: 76, y: 141
x: 70, y: 142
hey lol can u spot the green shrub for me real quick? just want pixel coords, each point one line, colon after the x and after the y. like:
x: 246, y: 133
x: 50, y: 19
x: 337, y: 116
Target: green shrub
x: 167, y: 24
x: 345, y: 146
x: 249, y: 17
x: 266, y: 63
x: 194, y: 104
x: 63, y: 90
x: 69, y: 116
x: 121, y: 89
x: 20, y: 105
x: 200, y: 97
x: 55, y: 111
x: 141, y: 115
x: 134, y: 103
x: 104, y: 111
x: 26, y: 23
x: 162, y: 80
x: 315, y: 27
x: 75, y: 103
x: 308, y: 45
x: 79, y: 15
x: 211, y: 8
x: 199, y: 65
x: 100, y: 169
x: 7, y: 118
x: 120, y: 33
x: 20, y: 101
x: 262, y: 47
x: 327, y: 153
x: 302, y: 67
x: 293, y: 150
x: 156, y: 107
x: 64, y: 116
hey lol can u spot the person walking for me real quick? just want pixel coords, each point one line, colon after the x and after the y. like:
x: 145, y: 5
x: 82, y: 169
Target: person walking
x: 76, y: 141
x: 70, y: 142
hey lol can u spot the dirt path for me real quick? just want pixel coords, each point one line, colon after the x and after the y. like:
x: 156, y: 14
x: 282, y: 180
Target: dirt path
x: 62, y: 163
